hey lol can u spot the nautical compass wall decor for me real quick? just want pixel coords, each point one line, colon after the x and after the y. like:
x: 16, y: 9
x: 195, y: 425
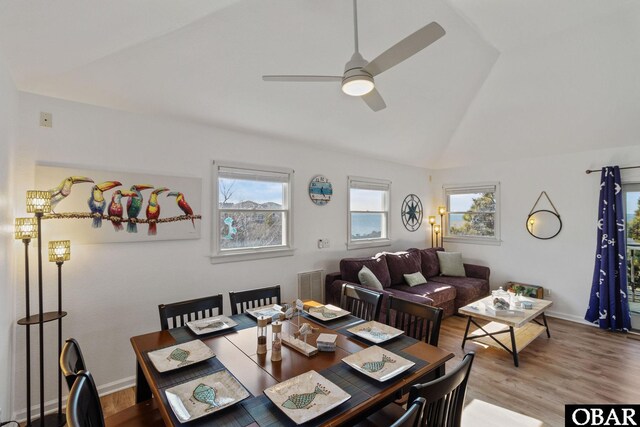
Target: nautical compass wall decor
x: 411, y: 212
x: 320, y: 190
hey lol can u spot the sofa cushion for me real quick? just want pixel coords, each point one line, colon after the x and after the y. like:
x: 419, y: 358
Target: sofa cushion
x: 429, y: 261
x: 401, y: 263
x: 451, y: 264
x: 468, y: 289
x: 414, y: 279
x: 367, y: 278
x: 440, y: 293
x: 350, y: 267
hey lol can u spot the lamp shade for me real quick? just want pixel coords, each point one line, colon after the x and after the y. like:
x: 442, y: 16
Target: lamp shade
x: 59, y: 250
x: 26, y: 228
x: 436, y: 228
x: 38, y: 201
x: 432, y: 219
x: 442, y: 210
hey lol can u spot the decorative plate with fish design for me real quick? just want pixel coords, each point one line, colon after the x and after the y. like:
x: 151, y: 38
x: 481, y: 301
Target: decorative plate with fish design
x: 177, y: 356
x: 306, y: 396
x: 375, y: 332
x: 269, y: 311
x: 327, y: 312
x: 204, y: 396
x: 378, y: 363
x: 211, y: 324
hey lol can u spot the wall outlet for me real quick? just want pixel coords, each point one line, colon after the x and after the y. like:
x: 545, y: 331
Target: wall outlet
x: 46, y: 120
x: 323, y: 243
x: 548, y: 291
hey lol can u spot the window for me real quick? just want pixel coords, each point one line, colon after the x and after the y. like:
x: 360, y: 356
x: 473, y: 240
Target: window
x: 472, y: 213
x: 368, y: 213
x: 251, y: 212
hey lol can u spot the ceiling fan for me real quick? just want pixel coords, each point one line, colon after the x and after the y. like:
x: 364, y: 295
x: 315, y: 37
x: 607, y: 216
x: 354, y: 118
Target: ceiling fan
x: 357, y: 79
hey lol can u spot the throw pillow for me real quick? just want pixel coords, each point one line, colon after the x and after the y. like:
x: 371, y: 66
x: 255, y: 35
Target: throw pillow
x: 368, y: 279
x: 451, y: 264
x: 414, y: 279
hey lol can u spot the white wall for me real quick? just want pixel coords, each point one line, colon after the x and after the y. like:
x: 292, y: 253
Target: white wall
x: 8, y: 109
x: 563, y: 264
x: 111, y: 291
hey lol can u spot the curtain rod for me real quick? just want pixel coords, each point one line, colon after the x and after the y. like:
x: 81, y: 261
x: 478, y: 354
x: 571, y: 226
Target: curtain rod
x: 598, y: 170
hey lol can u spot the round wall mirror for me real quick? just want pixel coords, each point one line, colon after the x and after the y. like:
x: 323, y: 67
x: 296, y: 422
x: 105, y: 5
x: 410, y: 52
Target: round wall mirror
x: 544, y: 224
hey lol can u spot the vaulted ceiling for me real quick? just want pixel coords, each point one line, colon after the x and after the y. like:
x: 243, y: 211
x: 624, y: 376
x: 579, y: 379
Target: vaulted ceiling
x: 509, y: 76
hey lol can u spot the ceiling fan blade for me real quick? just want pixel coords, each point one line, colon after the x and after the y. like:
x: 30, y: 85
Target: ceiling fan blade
x: 299, y: 78
x: 405, y: 48
x: 374, y: 100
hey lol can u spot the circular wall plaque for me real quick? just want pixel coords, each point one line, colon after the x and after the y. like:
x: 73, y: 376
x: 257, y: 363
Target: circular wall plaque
x: 320, y: 190
x: 412, y: 212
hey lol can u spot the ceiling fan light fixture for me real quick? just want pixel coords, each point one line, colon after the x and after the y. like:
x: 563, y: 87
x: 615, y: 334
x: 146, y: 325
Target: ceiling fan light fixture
x: 357, y: 85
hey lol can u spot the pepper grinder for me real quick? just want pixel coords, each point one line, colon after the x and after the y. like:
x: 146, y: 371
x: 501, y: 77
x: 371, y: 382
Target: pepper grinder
x: 262, y: 335
x: 276, y: 343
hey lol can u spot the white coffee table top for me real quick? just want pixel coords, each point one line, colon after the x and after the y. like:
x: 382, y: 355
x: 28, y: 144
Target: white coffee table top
x: 478, y: 309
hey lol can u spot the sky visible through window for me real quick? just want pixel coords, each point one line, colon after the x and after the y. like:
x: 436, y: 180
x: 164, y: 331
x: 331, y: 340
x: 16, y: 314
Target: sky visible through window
x: 462, y: 202
x: 255, y: 191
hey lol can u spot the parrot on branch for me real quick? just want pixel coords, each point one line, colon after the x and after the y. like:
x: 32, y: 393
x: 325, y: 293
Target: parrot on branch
x: 96, y: 200
x: 153, y: 210
x: 134, y: 205
x: 183, y: 205
x: 115, y: 207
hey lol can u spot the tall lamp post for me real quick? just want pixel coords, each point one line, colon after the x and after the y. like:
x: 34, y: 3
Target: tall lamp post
x: 25, y: 230
x: 442, y: 210
x: 436, y: 229
x: 432, y: 221
x: 59, y: 252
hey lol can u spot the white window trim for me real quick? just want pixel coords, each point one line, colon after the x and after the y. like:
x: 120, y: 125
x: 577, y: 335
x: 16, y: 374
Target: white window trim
x: 474, y: 187
x: 368, y: 243
x: 217, y: 255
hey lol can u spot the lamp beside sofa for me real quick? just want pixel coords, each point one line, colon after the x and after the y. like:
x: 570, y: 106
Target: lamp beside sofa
x: 448, y: 292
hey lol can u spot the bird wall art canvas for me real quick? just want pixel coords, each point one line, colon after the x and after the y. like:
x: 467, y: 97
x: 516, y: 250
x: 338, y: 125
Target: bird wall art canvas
x: 95, y: 206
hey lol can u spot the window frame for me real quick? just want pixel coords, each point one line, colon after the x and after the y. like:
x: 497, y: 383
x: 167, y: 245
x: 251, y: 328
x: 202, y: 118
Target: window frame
x: 482, y: 187
x: 374, y: 242
x: 219, y: 255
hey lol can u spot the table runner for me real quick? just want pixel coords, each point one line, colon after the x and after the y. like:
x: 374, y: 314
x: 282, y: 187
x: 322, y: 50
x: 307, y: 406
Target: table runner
x: 184, y: 334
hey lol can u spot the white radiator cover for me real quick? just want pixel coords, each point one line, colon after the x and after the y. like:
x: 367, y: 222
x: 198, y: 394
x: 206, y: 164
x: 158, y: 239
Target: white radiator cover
x: 310, y: 286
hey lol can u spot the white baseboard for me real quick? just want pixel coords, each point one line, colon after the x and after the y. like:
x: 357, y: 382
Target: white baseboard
x: 51, y: 406
x: 569, y: 317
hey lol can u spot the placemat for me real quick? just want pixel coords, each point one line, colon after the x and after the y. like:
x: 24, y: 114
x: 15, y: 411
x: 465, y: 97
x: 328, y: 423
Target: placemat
x: 184, y: 334
x: 394, y: 345
x: 335, y: 324
x: 186, y: 373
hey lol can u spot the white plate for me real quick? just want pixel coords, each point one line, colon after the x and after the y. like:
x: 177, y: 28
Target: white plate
x: 306, y: 396
x: 375, y: 332
x: 265, y: 311
x: 378, y: 363
x: 327, y: 312
x: 204, y: 396
x: 180, y: 355
x: 211, y: 324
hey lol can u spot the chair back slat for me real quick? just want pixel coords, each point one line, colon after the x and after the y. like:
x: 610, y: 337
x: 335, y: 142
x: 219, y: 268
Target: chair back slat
x: 177, y: 314
x: 413, y: 416
x: 83, y: 405
x: 361, y: 302
x: 242, y: 301
x: 71, y: 361
x: 444, y: 397
x: 417, y: 320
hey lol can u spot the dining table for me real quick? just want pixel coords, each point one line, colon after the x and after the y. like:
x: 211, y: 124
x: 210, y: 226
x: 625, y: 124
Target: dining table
x: 236, y: 351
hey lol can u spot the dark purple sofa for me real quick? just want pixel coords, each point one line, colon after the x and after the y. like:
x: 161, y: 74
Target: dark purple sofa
x: 446, y: 292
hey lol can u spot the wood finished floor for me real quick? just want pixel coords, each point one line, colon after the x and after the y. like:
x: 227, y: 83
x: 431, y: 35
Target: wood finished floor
x: 579, y: 364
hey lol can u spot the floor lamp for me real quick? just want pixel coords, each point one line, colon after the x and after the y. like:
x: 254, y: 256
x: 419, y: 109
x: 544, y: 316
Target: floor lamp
x: 39, y: 203
x: 59, y: 252
x: 25, y: 230
x: 432, y: 221
x: 442, y: 210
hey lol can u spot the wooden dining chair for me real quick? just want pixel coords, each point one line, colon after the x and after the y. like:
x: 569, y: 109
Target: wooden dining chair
x: 419, y: 321
x: 179, y: 313
x: 253, y: 298
x: 444, y: 397
x: 361, y: 302
x: 443, y: 400
x: 413, y: 416
x: 71, y: 361
x: 84, y: 408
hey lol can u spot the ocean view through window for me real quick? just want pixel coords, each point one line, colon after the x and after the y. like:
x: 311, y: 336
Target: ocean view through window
x: 472, y: 213
x: 368, y: 212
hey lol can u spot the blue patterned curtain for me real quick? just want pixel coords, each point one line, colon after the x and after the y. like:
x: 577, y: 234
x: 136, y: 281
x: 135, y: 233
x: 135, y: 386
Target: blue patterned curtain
x: 608, y: 305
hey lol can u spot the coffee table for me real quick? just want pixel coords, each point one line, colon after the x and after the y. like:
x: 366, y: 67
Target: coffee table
x: 511, y: 333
